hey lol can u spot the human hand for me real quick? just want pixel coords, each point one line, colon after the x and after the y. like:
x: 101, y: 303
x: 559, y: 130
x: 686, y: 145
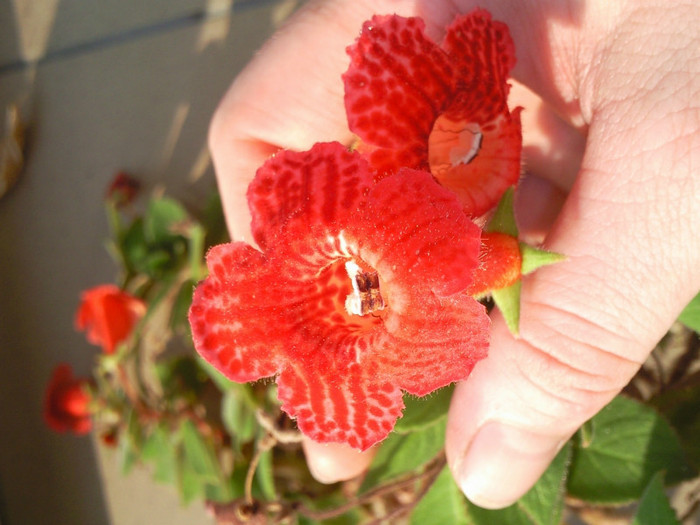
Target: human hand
x: 610, y: 136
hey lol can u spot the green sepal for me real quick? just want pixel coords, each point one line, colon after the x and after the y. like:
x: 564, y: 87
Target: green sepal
x: 503, y: 219
x: 534, y: 258
x: 508, y: 301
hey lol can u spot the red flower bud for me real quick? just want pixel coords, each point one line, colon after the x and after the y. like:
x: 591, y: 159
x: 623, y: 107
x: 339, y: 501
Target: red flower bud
x: 123, y: 189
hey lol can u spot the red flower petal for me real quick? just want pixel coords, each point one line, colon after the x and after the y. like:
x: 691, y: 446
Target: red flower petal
x: 481, y: 182
x: 339, y: 403
x: 314, y: 188
x: 231, y: 312
x: 482, y: 54
x: 436, y: 342
x: 396, y: 85
x: 108, y: 314
x: 416, y: 236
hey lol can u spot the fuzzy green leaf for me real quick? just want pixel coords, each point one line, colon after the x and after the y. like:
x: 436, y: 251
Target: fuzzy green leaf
x: 443, y: 503
x: 690, y: 316
x: 421, y: 412
x: 654, y: 508
x: 401, y: 454
x: 508, y: 301
x: 630, y: 444
x: 543, y: 504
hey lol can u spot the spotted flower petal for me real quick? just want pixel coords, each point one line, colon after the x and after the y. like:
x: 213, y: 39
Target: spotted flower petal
x: 443, y: 108
x: 344, y: 329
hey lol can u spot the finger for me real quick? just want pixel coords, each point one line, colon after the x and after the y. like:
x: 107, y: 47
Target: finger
x: 333, y: 462
x: 552, y: 154
x: 629, y: 229
x: 289, y: 96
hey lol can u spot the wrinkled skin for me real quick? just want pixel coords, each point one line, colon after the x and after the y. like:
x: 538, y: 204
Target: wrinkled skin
x: 611, y: 138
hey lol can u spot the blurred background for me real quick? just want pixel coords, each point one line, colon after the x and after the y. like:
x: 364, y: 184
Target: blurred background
x: 102, y: 86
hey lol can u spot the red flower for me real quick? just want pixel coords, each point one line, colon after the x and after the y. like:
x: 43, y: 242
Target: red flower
x: 353, y: 297
x: 108, y: 314
x: 66, y: 405
x: 439, y: 108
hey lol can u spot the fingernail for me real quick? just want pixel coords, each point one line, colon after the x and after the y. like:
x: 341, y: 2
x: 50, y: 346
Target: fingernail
x: 333, y: 462
x: 502, y: 463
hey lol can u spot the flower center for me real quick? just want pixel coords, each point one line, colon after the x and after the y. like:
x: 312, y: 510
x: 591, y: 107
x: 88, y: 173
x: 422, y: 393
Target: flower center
x: 452, y: 143
x: 365, y: 297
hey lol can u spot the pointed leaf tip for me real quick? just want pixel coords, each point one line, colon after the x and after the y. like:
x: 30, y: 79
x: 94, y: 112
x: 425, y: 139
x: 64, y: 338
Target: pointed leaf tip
x: 534, y: 258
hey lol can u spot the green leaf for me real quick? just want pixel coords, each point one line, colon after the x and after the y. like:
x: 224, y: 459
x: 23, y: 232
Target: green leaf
x: 220, y: 380
x: 421, y: 412
x: 403, y: 453
x: 264, y: 476
x: 508, y: 301
x: 443, y: 503
x: 162, y: 215
x: 160, y: 450
x: 654, y: 508
x: 133, y: 247
x: 181, y: 306
x: 198, y: 454
x: 503, y: 219
x: 131, y: 442
x: 630, y: 444
x: 190, y: 485
x: 196, y: 236
x: 682, y: 408
x: 534, y: 258
x: 543, y: 504
x: 237, y: 416
x: 690, y: 316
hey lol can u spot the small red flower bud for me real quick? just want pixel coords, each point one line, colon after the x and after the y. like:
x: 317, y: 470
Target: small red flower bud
x: 123, y: 189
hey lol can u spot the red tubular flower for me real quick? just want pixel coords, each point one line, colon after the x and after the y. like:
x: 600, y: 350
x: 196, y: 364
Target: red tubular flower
x: 66, y: 405
x: 353, y: 297
x: 108, y: 314
x: 439, y: 108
